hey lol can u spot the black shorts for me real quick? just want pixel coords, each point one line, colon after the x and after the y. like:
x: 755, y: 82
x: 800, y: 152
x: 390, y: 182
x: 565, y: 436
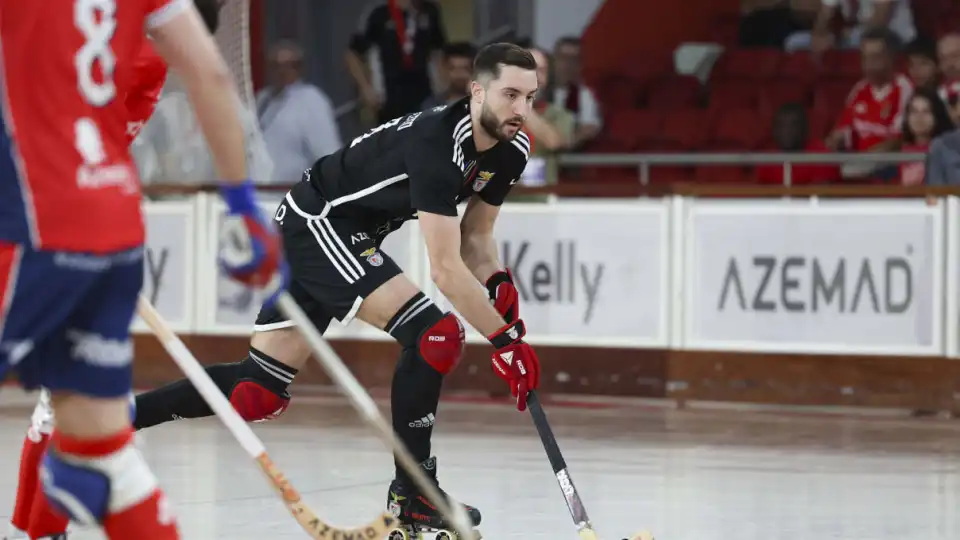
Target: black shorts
x: 335, y: 262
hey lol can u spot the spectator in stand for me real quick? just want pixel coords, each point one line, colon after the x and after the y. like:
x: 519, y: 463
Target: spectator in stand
x: 872, y: 116
x: 405, y: 37
x: 791, y: 134
x: 457, y: 72
x: 922, y: 63
x: 948, y: 53
x: 296, y: 118
x: 570, y: 93
x: 943, y: 160
x: 925, y: 120
x: 550, y: 128
x: 895, y: 15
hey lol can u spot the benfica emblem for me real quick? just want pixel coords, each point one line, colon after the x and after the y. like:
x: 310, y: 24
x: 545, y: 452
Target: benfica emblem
x: 482, y: 178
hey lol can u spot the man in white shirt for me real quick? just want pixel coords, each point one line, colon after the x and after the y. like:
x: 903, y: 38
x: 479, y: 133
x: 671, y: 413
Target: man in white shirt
x: 296, y: 118
x: 893, y: 14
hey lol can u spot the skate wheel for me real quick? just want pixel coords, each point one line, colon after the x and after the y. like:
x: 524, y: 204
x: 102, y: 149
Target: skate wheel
x: 398, y: 534
x: 446, y: 535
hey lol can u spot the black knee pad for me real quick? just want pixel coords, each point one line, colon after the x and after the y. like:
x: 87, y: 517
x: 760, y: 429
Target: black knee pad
x: 437, y: 337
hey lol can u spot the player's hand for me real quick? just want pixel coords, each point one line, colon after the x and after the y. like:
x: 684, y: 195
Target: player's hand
x: 515, y: 361
x: 503, y: 294
x: 251, y: 249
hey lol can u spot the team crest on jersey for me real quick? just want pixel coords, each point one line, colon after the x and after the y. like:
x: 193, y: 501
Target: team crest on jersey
x: 368, y: 252
x: 483, y: 177
x: 375, y: 258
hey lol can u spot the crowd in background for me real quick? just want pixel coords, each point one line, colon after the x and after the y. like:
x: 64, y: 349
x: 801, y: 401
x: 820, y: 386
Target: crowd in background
x: 401, y: 62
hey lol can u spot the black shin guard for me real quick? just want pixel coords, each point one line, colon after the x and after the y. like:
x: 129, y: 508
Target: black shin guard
x: 181, y: 399
x: 415, y: 392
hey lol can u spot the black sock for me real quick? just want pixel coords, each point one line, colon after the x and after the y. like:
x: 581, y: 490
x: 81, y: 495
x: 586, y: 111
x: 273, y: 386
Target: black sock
x: 415, y: 392
x: 181, y: 399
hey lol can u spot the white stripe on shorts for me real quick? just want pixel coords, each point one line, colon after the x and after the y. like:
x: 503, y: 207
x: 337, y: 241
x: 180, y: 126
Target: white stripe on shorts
x: 343, y: 247
x: 349, y: 274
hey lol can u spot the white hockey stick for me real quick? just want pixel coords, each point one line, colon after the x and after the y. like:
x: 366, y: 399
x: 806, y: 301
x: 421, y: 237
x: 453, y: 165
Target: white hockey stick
x: 365, y: 406
x: 308, y: 520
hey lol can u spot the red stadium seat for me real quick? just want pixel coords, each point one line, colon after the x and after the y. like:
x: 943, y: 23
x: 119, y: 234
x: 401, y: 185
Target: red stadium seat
x: 733, y: 94
x: 683, y: 130
x: 635, y: 127
x: 618, y: 92
x: 674, y: 92
x: 720, y: 174
x: 843, y: 64
x: 830, y: 96
x: 801, y: 67
x: 820, y: 123
x: 738, y: 130
x: 777, y: 93
x: 747, y: 64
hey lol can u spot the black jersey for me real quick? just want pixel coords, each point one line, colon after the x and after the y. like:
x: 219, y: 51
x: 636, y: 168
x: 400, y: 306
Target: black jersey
x: 426, y: 161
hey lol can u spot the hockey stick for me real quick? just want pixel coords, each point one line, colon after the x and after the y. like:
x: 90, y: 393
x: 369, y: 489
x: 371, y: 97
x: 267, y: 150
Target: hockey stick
x: 365, y: 406
x: 570, y: 493
x: 308, y: 520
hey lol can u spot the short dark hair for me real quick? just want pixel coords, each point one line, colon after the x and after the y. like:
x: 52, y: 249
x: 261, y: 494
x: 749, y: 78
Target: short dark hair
x: 210, y: 13
x: 493, y: 57
x: 879, y: 33
x: 923, y: 47
x: 460, y: 49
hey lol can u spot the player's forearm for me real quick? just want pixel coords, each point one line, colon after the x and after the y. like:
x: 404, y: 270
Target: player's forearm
x: 191, y: 52
x: 215, y: 100
x: 479, y: 253
x: 457, y: 284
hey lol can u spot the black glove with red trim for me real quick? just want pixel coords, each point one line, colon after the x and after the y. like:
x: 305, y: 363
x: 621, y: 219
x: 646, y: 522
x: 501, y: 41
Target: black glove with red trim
x: 504, y: 295
x: 515, y: 361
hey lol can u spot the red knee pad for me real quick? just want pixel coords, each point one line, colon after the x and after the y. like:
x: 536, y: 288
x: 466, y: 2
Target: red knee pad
x: 442, y: 344
x: 256, y: 403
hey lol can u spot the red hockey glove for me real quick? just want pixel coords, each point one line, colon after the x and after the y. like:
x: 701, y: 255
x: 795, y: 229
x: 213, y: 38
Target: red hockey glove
x: 504, y: 295
x: 515, y: 361
x: 251, y: 249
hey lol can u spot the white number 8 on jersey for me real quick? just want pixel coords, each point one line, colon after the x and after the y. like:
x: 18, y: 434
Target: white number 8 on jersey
x: 96, y: 48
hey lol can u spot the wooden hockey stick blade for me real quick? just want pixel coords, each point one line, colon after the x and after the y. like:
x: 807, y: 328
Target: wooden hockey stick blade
x: 308, y: 520
x: 454, y: 514
x: 316, y: 527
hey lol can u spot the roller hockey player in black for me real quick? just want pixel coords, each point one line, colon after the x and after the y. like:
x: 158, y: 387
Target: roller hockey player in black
x: 420, y: 166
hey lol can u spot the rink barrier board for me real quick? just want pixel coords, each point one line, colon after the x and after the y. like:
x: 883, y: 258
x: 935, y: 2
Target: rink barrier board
x: 662, y: 335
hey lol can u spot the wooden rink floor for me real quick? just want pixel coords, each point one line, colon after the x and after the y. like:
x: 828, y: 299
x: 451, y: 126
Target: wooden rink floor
x: 683, y: 475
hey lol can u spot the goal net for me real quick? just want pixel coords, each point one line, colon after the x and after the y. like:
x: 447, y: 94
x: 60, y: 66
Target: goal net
x: 171, y: 148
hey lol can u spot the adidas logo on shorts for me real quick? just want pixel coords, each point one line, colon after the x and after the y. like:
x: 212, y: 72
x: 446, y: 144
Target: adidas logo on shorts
x: 426, y: 421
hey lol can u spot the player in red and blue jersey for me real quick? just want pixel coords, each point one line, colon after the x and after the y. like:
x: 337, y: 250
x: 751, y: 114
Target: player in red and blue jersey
x: 72, y: 233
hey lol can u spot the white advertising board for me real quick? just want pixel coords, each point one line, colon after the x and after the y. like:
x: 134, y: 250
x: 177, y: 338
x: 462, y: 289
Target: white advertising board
x: 168, y: 269
x: 852, y: 277
x: 587, y: 273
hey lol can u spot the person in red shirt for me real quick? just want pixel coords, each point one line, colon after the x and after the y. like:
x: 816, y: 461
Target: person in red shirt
x: 926, y: 119
x: 79, y: 270
x: 872, y: 116
x: 791, y: 134
x: 32, y: 513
